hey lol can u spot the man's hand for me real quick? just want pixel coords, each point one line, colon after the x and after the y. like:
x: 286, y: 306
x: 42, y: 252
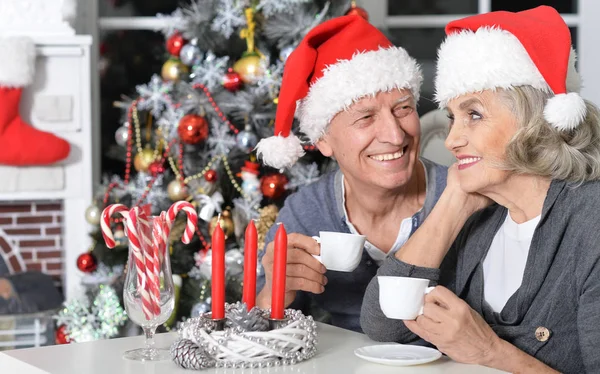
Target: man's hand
x: 303, y: 271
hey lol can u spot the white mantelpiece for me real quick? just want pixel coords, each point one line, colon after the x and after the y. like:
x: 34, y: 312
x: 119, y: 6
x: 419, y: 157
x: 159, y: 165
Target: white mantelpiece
x: 37, y: 17
x: 62, y: 75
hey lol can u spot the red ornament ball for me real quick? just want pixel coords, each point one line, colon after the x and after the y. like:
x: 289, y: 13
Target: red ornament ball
x: 193, y: 129
x: 357, y: 11
x: 156, y: 168
x: 210, y: 176
x: 232, y: 81
x: 175, y: 43
x: 86, y: 262
x: 273, y: 185
x: 61, y: 336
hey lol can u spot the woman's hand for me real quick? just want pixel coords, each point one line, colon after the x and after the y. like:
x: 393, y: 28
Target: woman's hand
x: 470, y: 202
x: 303, y: 271
x: 455, y: 328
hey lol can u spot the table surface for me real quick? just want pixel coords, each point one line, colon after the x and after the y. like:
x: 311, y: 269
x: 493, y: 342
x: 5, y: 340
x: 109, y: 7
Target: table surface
x: 335, y: 354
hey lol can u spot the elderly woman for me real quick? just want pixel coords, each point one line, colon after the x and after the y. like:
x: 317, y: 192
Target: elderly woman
x: 357, y: 99
x: 519, y: 280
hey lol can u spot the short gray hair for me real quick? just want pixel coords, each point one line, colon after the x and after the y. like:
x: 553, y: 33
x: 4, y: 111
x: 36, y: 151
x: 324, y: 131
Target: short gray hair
x: 540, y: 149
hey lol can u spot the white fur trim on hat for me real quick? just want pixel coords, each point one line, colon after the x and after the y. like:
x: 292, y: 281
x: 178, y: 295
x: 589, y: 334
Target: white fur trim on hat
x: 279, y: 151
x: 17, y: 61
x: 488, y: 58
x: 565, y: 111
x: 346, y: 81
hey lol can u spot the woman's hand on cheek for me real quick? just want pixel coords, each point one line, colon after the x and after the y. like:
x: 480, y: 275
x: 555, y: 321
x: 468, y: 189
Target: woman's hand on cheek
x: 468, y: 201
x: 455, y: 328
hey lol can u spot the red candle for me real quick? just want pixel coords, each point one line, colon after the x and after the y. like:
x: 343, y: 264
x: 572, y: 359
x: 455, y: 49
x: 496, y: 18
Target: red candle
x: 279, y: 265
x: 249, y: 294
x: 218, y: 273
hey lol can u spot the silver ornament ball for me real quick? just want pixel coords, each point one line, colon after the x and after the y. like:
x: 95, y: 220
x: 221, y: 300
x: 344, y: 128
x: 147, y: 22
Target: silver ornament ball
x: 122, y: 135
x: 246, y: 140
x: 92, y: 215
x: 190, y: 54
x: 200, y: 308
x: 234, y: 262
x: 286, y: 52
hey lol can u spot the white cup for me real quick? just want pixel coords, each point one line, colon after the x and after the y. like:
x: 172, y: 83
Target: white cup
x: 340, y: 251
x: 402, y: 297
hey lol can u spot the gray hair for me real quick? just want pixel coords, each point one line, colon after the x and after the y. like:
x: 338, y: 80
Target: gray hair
x: 538, y: 148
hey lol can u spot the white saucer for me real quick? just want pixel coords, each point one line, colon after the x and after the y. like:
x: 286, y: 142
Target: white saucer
x: 398, y: 354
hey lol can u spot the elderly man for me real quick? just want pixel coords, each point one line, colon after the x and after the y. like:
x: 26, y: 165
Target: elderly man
x: 357, y: 97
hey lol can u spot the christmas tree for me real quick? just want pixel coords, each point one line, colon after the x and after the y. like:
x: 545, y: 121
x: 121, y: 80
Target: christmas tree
x: 189, y: 134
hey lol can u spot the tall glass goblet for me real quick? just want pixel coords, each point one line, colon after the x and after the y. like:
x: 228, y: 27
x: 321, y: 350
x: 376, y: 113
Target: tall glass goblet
x: 148, y: 293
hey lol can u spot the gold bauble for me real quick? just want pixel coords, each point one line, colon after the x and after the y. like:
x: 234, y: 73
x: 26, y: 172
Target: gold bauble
x: 249, y: 67
x: 143, y: 159
x: 226, y: 224
x: 174, y: 70
x: 177, y: 191
x: 267, y: 218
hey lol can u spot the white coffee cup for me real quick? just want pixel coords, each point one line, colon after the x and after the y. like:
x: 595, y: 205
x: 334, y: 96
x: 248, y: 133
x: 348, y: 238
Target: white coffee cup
x: 340, y: 251
x: 402, y: 297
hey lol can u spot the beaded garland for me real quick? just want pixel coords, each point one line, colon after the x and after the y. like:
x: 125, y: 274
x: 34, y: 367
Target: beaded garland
x: 245, y: 342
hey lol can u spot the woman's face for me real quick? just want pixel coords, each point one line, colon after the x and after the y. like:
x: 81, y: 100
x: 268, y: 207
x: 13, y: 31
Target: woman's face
x: 376, y: 140
x: 481, y: 125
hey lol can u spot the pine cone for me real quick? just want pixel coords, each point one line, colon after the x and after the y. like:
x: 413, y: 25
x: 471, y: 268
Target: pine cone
x: 189, y: 355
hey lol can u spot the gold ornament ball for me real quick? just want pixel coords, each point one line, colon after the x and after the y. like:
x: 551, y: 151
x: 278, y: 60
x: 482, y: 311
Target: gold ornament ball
x: 174, y: 70
x: 92, y: 215
x: 143, y: 159
x: 249, y: 67
x: 226, y: 224
x: 177, y: 191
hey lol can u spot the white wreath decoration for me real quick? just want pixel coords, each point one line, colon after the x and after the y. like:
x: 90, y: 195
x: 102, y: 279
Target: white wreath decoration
x: 245, y: 342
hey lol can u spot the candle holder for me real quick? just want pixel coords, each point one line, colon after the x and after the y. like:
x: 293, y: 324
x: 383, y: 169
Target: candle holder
x: 275, y: 324
x: 215, y: 324
x: 249, y: 339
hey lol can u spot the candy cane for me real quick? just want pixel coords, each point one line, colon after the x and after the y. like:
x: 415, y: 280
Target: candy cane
x: 164, y: 235
x: 109, y: 239
x: 192, y: 219
x: 153, y: 271
x: 135, y: 240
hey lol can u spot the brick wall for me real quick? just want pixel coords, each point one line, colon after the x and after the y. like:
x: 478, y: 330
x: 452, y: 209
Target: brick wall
x: 31, y: 236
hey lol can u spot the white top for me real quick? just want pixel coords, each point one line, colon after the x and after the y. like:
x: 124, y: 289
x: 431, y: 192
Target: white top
x: 335, y: 354
x: 504, y: 264
x: 375, y: 253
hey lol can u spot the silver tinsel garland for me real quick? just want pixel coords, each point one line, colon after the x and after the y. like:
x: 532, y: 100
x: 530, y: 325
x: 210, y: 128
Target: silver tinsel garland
x: 245, y: 342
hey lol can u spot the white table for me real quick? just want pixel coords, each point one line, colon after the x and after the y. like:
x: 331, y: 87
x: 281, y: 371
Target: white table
x: 335, y: 355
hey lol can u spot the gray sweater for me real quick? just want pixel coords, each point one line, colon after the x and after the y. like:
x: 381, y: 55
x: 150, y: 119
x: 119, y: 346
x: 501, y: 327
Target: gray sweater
x: 560, y: 288
x: 319, y: 207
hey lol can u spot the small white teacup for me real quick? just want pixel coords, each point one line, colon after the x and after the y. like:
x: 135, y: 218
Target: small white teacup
x: 402, y: 297
x: 340, y: 251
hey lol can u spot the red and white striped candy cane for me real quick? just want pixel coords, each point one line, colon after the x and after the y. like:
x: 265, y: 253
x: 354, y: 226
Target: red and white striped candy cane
x: 153, y: 266
x: 192, y: 219
x: 107, y: 233
x: 164, y: 235
x: 135, y: 245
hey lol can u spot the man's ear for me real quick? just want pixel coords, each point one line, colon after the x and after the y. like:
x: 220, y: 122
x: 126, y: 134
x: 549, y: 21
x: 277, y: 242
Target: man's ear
x: 324, y: 147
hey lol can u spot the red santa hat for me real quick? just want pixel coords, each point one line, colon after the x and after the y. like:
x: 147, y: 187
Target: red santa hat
x: 504, y: 50
x: 336, y: 64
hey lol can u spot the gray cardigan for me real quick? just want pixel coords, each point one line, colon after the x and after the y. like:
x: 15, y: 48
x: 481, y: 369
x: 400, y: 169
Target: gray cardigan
x: 319, y: 207
x: 560, y: 288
